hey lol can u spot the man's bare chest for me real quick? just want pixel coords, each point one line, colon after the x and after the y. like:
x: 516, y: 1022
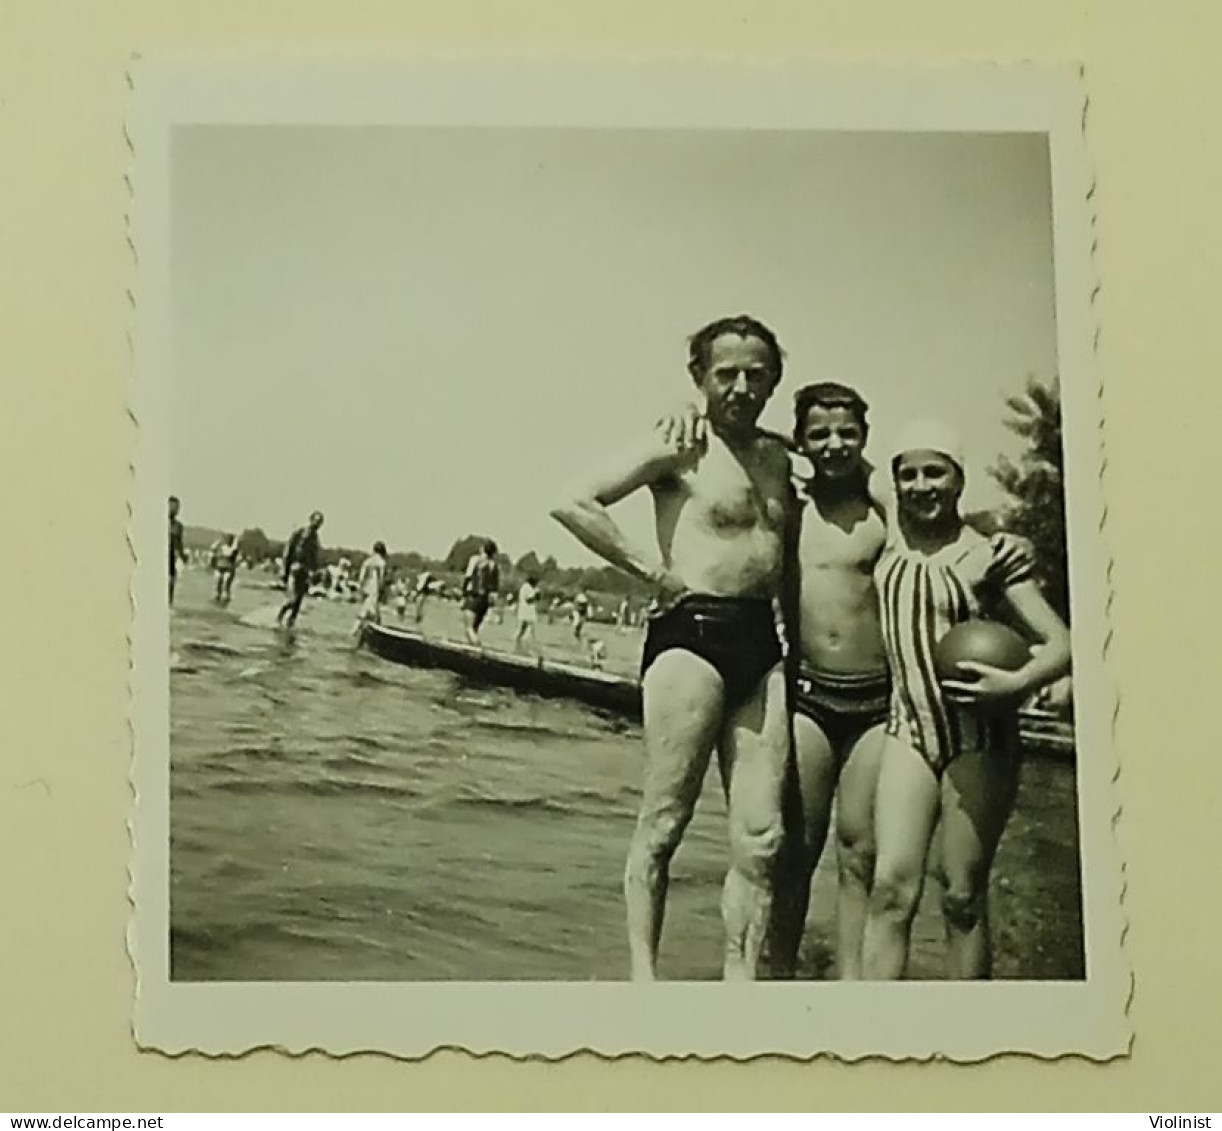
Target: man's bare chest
x: 729, y: 494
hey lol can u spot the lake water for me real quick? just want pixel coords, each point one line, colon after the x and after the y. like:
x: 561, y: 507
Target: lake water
x: 338, y: 817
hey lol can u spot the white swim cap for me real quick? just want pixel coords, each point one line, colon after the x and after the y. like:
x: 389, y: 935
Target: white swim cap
x: 929, y: 436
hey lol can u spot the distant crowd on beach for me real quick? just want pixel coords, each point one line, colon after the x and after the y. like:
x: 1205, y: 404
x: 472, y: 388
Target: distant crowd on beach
x: 371, y: 581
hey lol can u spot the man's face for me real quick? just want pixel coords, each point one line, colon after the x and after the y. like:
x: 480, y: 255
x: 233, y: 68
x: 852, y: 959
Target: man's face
x: 315, y: 521
x: 737, y: 381
x: 173, y: 508
x: 927, y: 486
x: 832, y: 438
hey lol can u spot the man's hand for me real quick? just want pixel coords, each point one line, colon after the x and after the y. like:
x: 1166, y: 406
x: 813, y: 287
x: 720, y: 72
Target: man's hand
x: 668, y: 587
x: 686, y: 428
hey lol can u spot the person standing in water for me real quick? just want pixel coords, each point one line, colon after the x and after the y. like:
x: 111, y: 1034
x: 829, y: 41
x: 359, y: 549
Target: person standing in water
x: 224, y: 567
x: 178, y: 553
x: 479, y: 588
x: 712, y: 669
x: 424, y: 584
x: 581, y: 613
x: 400, y: 593
x: 623, y: 615
x: 952, y: 748
x: 301, y: 557
x: 371, y: 583
x: 528, y: 614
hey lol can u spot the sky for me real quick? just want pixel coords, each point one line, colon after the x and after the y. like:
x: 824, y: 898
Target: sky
x: 426, y: 333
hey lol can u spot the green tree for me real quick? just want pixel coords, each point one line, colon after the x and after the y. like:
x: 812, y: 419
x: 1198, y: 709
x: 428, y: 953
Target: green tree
x: 463, y: 550
x: 409, y: 559
x: 1035, y: 485
x: 460, y: 553
x: 256, y: 546
x: 528, y: 565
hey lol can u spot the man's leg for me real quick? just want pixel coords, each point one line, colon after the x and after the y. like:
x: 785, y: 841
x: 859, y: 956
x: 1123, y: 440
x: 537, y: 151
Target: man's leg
x: 756, y: 746
x: 299, y: 586
x: 682, y: 701
x: 290, y: 587
x: 855, y: 847
x: 809, y: 790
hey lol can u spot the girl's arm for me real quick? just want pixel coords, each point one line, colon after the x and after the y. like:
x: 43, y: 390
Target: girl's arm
x: 1050, y: 662
x: 1053, y: 659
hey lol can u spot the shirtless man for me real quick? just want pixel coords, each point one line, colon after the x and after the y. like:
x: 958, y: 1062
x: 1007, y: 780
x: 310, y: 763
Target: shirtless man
x: 842, y: 685
x: 300, y: 562
x: 480, y: 585
x: 712, y: 673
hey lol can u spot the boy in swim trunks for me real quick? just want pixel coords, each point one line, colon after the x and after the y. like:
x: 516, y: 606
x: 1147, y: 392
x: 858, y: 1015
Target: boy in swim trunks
x: 842, y: 689
x: 712, y: 673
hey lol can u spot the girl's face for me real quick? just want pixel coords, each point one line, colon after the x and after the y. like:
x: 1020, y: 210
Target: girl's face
x: 927, y: 487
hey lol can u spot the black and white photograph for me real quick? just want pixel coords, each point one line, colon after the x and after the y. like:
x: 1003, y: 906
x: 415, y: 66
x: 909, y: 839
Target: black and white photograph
x: 624, y: 526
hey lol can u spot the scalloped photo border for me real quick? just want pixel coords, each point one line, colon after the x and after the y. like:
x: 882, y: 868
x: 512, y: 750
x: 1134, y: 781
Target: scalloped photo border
x: 958, y: 1021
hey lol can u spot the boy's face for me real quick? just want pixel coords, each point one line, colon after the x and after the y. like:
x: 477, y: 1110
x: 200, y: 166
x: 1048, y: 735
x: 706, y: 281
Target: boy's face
x: 833, y: 439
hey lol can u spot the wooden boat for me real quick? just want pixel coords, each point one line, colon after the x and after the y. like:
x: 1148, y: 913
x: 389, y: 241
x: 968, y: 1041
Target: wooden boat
x: 551, y: 679
x: 605, y: 691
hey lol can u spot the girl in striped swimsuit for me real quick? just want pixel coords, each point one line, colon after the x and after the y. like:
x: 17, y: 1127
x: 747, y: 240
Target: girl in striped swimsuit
x: 951, y: 748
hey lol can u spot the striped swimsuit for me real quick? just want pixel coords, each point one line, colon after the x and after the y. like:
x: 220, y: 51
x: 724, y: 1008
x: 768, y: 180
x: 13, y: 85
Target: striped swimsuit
x: 922, y: 597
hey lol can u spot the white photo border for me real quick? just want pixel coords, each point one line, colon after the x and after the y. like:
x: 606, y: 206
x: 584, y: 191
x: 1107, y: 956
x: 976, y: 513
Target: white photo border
x: 954, y: 1020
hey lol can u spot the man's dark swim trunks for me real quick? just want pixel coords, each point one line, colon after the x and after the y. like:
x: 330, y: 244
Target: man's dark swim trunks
x: 843, y: 705
x: 477, y: 604
x: 737, y: 635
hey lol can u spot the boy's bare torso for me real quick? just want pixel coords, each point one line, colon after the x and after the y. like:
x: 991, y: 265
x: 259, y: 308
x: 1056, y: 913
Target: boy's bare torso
x: 838, y: 547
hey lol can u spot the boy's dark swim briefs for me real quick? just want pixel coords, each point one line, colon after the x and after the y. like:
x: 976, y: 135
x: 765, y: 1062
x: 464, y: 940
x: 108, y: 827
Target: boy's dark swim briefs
x: 843, y: 705
x: 737, y: 635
